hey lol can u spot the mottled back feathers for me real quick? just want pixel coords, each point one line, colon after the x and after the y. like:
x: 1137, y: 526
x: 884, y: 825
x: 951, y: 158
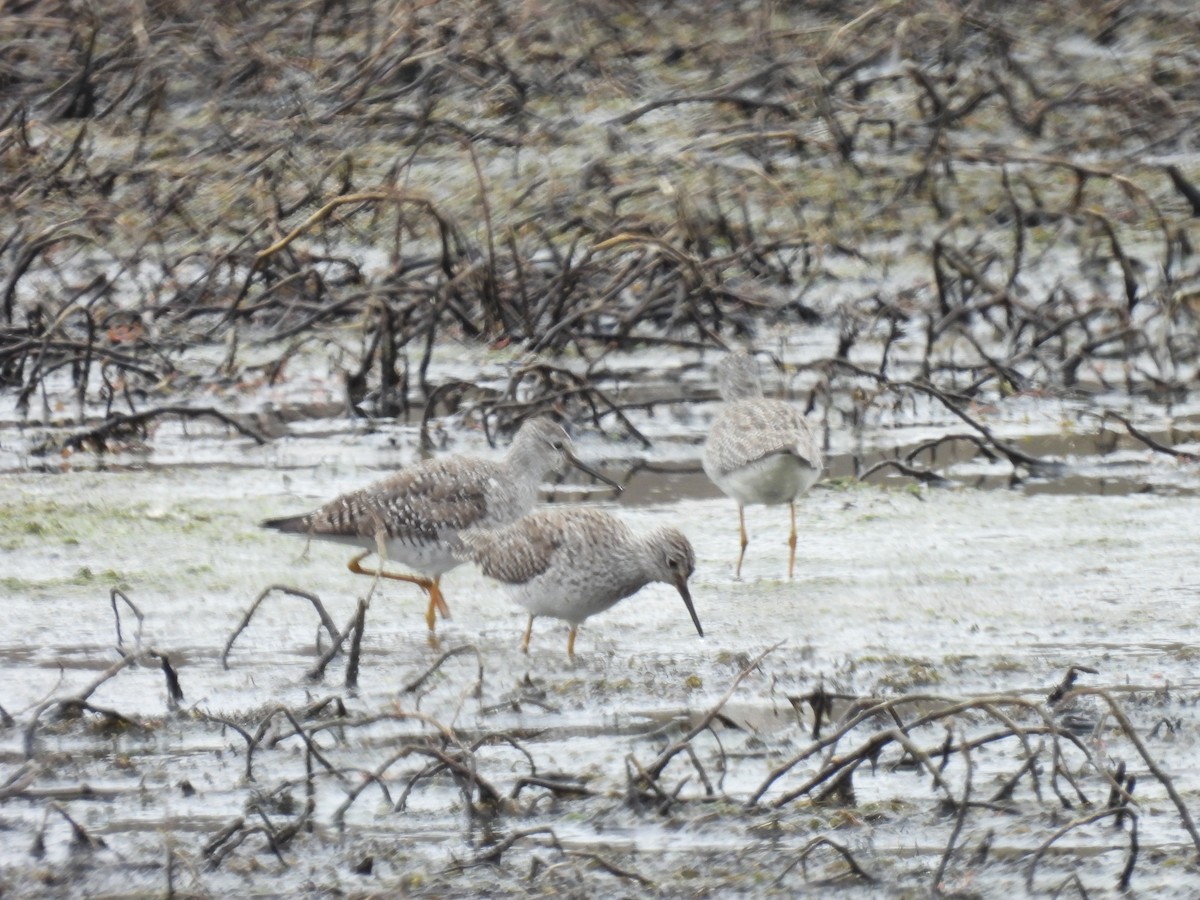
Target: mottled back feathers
x: 422, y: 503
x: 750, y: 427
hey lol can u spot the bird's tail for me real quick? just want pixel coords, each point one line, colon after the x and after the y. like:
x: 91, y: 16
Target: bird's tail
x: 289, y: 524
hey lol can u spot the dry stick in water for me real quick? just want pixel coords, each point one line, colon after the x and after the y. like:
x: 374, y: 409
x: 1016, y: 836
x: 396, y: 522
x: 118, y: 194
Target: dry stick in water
x: 100, y: 432
x: 246, y: 736
x: 465, y: 775
x: 113, y: 595
x: 834, y: 764
x: 655, y: 769
x: 326, y: 620
x: 360, y: 624
x: 1071, y: 826
x: 611, y: 867
x: 446, y: 735
x: 959, y: 820
x: 1140, y: 435
x: 492, y: 857
x: 298, y: 731
x: 317, y: 672
x: 802, y: 858
x: 79, y: 835
x: 78, y: 702
x: 1015, y: 456
x: 1165, y: 779
x: 437, y: 664
x: 1068, y: 682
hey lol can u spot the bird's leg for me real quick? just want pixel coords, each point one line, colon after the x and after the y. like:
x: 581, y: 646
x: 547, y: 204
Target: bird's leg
x: 428, y: 585
x: 792, y: 541
x: 571, y: 641
x: 745, y: 539
x: 528, y: 633
x: 431, y: 612
x: 436, y: 601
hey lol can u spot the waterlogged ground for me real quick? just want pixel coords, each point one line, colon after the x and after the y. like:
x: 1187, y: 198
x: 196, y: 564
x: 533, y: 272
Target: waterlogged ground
x: 278, y: 210
x: 951, y: 593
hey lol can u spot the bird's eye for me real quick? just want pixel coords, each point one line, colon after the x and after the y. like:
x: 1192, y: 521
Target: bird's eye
x: 672, y: 562
x: 557, y: 445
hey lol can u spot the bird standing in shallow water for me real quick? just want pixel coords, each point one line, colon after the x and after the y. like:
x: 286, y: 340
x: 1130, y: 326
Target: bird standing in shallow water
x: 573, y: 563
x: 412, y: 516
x: 759, y: 450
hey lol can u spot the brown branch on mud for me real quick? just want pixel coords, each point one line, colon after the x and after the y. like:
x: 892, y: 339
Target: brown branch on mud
x: 986, y: 438
x: 1117, y: 812
x: 1139, y: 435
x: 556, y: 389
x: 416, y: 683
x: 222, y: 845
x: 357, y: 628
x: 648, y: 776
x: 1186, y: 188
x: 113, y: 595
x: 462, y: 765
x: 738, y: 100
x: 1168, y: 783
x: 79, y: 835
x: 354, y: 630
x: 925, y: 476
x: 264, y: 736
x: 493, y: 856
x: 120, y: 426
x: 961, y: 808
x: 397, y: 197
x: 610, y: 867
x: 558, y: 787
x: 842, y: 850
x: 75, y: 705
x: 821, y: 701
x: 834, y: 766
x: 326, y: 620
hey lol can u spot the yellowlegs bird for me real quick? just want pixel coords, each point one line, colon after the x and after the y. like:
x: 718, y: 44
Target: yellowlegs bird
x: 573, y: 563
x: 412, y: 516
x: 759, y: 450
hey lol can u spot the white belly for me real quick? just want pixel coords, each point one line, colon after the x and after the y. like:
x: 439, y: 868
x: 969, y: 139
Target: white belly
x: 431, y: 559
x: 778, y: 478
x: 428, y: 559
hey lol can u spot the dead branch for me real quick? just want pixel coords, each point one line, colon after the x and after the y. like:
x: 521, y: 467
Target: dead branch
x: 1065, y: 829
x: 841, y: 849
x: 652, y: 772
x: 416, y: 683
x: 113, y: 595
x: 493, y: 856
x: 97, y: 436
x: 326, y: 620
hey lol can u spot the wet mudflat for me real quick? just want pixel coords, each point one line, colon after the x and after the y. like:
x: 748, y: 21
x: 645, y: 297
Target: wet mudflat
x: 256, y: 256
x: 936, y: 595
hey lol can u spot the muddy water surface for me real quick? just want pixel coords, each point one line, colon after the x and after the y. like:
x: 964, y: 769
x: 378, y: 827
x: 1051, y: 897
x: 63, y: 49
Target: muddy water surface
x: 944, y: 592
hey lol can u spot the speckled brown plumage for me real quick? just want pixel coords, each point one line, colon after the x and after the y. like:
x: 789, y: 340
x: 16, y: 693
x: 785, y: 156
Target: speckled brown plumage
x: 414, y: 506
x: 413, y: 516
x: 574, y: 563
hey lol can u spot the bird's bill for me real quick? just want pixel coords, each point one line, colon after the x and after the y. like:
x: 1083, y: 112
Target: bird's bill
x: 681, y: 586
x: 584, y: 467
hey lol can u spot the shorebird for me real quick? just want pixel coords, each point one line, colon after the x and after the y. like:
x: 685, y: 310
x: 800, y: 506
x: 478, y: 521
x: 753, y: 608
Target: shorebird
x: 573, y: 563
x: 759, y: 450
x: 412, y: 516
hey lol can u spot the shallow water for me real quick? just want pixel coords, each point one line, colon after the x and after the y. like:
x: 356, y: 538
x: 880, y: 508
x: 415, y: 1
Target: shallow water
x: 993, y: 584
x: 949, y: 592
